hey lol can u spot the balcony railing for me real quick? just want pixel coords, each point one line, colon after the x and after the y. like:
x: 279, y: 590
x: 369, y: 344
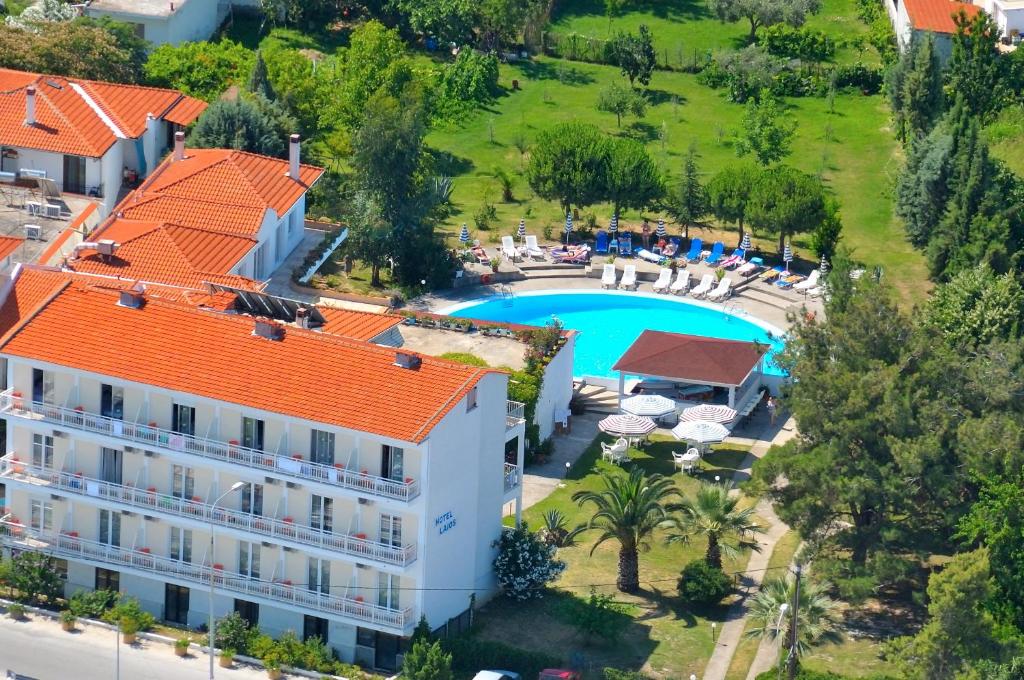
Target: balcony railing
x: 512, y: 476
x: 515, y: 414
x: 13, y: 469
x: 71, y: 547
x: 152, y: 436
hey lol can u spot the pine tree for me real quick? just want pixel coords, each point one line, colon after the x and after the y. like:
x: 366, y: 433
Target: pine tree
x: 259, y: 79
x: 689, y: 201
x: 922, y: 98
x: 427, y: 661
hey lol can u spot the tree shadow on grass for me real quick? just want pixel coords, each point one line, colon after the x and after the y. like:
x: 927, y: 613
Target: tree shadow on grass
x: 447, y: 163
x: 565, y: 74
x: 673, y: 10
x: 641, y: 131
x: 656, y: 97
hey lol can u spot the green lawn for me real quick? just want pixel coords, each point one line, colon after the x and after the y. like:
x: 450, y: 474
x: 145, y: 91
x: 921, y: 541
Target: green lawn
x: 854, y: 658
x: 1007, y: 138
x: 665, y: 638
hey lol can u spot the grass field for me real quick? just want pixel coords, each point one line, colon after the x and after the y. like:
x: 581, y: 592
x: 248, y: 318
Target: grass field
x: 854, y: 658
x: 665, y: 638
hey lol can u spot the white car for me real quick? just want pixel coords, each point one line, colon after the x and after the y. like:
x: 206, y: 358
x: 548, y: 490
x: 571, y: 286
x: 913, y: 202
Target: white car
x: 497, y: 675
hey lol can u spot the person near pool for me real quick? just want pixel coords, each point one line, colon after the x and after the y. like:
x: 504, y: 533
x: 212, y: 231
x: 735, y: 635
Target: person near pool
x: 773, y: 408
x: 647, y: 233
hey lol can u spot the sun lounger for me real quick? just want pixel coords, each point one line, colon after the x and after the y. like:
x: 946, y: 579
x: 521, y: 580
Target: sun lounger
x: 670, y: 250
x: 788, y: 280
x: 628, y: 281
x: 733, y: 260
x: 695, y: 250
x: 816, y: 292
x: 626, y: 245
x: 809, y: 283
x: 771, y: 275
x: 608, y: 277
x: 681, y: 283
x: 722, y: 291
x: 481, y: 255
x: 532, y: 247
x: 704, y: 287
x: 508, y: 248
x: 578, y: 256
x: 748, y: 268
x: 601, y: 244
x: 716, y: 253
x: 645, y: 254
x: 664, y: 279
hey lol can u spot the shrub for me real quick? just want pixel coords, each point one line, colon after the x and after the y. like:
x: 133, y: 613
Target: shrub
x: 427, y: 660
x: 234, y: 632
x: 16, y: 610
x: 130, y: 617
x: 182, y: 643
x: 798, y: 43
x: 597, y: 616
x: 525, y: 563
x: 616, y: 674
x: 468, y: 82
x: 470, y: 655
x: 702, y: 583
x: 200, y: 69
x: 34, y: 577
x: 67, y: 616
x: 92, y: 604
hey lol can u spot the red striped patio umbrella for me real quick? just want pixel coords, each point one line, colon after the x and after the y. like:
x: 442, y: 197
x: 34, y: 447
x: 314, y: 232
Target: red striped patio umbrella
x: 627, y: 425
x: 709, y: 412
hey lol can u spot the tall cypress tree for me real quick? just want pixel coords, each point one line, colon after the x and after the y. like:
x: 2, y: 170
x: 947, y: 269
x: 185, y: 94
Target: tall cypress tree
x: 922, y: 98
x: 259, y: 79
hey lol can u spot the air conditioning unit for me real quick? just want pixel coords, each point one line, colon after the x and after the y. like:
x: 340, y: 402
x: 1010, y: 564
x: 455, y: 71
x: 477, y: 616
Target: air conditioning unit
x: 132, y: 449
x: 127, y: 513
x: 365, y: 501
x: 360, y: 565
x: 287, y: 549
x: 148, y: 454
x: 270, y: 481
x: 266, y: 544
x: 34, y: 232
x: 291, y: 485
x: 150, y: 518
x: 59, y: 435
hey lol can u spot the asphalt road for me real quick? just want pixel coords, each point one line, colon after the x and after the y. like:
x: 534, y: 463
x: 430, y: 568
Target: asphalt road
x: 40, y: 650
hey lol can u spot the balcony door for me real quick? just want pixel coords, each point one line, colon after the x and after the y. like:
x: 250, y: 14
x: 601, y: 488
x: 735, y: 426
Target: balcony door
x: 181, y: 544
x: 184, y: 419
x: 321, y: 513
x: 43, y: 391
x: 391, y: 530
x: 176, y: 603
x: 252, y: 433
x: 392, y: 460
x: 41, y: 515
x: 112, y: 402
x: 74, y: 174
x: 321, y: 447
x: 42, y: 451
x: 111, y: 461
x: 252, y: 499
x: 387, y: 590
x: 110, y: 527
x: 249, y: 559
x: 183, y: 482
x: 319, y: 576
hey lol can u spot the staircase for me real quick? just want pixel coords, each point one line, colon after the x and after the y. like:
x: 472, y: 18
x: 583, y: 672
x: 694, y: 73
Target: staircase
x: 597, y: 399
x: 552, y: 270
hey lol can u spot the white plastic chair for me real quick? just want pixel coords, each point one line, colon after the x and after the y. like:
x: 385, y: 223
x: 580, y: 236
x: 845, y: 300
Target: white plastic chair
x: 628, y: 281
x: 508, y: 248
x: 722, y: 291
x: 703, y: 287
x: 532, y: 248
x: 608, y: 278
x: 664, y: 279
x: 681, y: 283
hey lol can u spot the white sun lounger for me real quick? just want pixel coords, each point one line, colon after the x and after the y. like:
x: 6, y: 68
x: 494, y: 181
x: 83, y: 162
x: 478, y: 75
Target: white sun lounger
x: 664, y: 279
x: 722, y: 291
x: 608, y: 277
x: 508, y: 248
x: 747, y: 268
x: 628, y: 281
x: 810, y: 282
x: 532, y: 249
x: 645, y: 254
x: 681, y: 283
x: 704, y: 287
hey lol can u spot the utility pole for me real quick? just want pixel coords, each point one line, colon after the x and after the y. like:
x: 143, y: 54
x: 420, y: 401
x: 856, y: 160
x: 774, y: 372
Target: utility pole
x: 791, y: 663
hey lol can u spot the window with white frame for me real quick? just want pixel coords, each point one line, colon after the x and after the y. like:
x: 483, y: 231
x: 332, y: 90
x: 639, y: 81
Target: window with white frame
x: 42, y: 451
x: 249, y: 559
x: 42, y: 515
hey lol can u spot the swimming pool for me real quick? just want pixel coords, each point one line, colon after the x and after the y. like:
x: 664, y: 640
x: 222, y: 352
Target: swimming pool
x: 609, y: 321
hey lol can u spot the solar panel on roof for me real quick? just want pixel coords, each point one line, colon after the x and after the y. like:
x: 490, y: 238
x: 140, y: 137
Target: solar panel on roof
x: 272, y: 306
x: 54, y: 84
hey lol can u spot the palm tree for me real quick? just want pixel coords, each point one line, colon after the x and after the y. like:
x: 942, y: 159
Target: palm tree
x: 817, y: 615
x: 713, y: 513
x: 556, y: 530
x: 628, y: 510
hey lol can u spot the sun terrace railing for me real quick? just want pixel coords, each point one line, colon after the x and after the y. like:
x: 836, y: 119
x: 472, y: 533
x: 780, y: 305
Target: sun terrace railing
x: 11, y: 403
x: 13, y: 469
x: 513, y: 478
x: 515, y: 414
x: 70, y: 546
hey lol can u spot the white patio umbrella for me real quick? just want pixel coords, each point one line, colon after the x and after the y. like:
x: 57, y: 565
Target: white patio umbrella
x: 745, y: 243
x: 661, y: 229
x: 787, y: 256
x: 653, y: 405
x: 464, y: 234
x: 613, y: 225
x: 627, y: 425
x: 711, y: 413
x: 824, y: 266
x: 522, y: 230
x: 568, y: 226
x: 700, y: 431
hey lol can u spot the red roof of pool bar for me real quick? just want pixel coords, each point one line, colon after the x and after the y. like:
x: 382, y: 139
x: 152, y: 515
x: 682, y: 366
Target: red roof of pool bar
x: 691, y: 358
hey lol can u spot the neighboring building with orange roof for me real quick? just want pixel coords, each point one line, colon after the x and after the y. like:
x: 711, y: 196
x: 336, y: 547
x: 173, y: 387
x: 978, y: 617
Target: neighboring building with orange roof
x: 354, y: 487
x: 914, y: 19
x: 163, y: 21
x: 85, y: 134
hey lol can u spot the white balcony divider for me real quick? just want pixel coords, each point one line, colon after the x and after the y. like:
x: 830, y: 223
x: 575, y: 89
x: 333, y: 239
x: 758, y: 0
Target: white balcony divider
x: 515, y: 413
x: 13, y: 469
x: 151, y: 436
x: 512, y: 476
x: 70, y: 546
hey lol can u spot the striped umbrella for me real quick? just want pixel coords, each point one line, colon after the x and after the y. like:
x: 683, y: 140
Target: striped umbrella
x: 700, y: 431
x: 824, y: 266
x: 464, y: 234
x: 613, y: 226
x: 568, y: 226
x: 522, y: 229
x: 787, y: 256
x: 653, y: 405
x: 628, y: 425
x: 661, y: 229
x: 745, y: 243
x: 709, y: 412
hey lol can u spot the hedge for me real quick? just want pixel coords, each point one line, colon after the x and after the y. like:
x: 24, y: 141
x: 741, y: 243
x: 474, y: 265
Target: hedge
x: 470, y: 654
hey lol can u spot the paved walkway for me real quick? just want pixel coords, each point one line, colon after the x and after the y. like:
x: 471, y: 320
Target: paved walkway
x: 541, y: 480
x: 764, y: 436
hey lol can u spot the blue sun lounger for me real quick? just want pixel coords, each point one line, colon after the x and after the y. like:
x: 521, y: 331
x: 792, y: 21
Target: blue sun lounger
x: 716, y: 253
x: 695, y: 248
x: 601, y: 246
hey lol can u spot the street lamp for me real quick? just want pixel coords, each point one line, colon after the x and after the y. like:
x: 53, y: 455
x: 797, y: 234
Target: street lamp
x: 234, y: 487
x: 778, y: 630
x: 713, y: 627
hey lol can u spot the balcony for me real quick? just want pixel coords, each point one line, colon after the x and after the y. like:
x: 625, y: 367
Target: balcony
x: 150, y: 436
x: 71, y: 547
x: 363, y: 549
x: 515, y: 414
x: 513, y: 478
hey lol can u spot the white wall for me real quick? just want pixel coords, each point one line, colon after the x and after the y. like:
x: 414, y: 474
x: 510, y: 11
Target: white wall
x: 556, y: 388
x: 112, y: 175
x: 193, y: 20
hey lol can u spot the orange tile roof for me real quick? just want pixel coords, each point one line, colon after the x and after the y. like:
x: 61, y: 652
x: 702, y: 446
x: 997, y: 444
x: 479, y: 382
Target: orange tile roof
x: 231, y: 219
x: 65, y: 121
x: 229, y: 176
x: 29, y: 289
x: 310, y: 375
x: 8, y: 244
x: 349, y: 323
x: 185, y: 111
x: 937, y: 15
x: 171, y: 254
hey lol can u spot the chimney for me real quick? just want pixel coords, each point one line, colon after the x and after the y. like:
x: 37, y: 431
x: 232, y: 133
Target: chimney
x: 179, y: 146
x: 406, y: 360
x: 131, y: 298
x: 30, y: 105
x: 293, y: 157
x: 268, y: 330
x: 302, y: 317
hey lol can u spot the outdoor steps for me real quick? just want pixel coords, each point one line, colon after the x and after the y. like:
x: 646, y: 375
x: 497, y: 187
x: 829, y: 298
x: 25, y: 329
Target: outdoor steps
x: 597, y: 399
x: 550, y: 273
x: 768, y: 297
x: 532, y: 265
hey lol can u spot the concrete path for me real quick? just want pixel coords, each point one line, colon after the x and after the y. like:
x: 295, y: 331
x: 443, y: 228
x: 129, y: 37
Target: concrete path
x: 279, y: 282
x: 540, y: 481
x: 39, y: 649
x: 763, y: 436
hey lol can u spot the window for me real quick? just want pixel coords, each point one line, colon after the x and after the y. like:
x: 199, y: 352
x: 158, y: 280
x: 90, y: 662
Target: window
x: 42, y: 451
x: 183, y: 482
x: 249, y: 559
x: 249, y: 611
x: 176, y: 604
x: 391, y: 530
x: 108, y: 580
x: 314, y: 627
x: 61, y: 568
x: 184, y: 418
x: 282, y: 240
x: 112, y: 401
x: 252, y: 433
x: 294, y: 222
x: 181, y: 544
x: 318, y: 577
x: 259, y: 262
x: 42, y: 515
x: 471, y: 400
x: 321, y: 447
x: 321, y: 513
x: 42, y: 386
x: 110, y: 465
x: 366, y: 638
x: 110, y: 527
x: 391, y: 459
x: 387, y: 590
x: 74, y: 174
x: 252, y: 499
x: 140, y: 30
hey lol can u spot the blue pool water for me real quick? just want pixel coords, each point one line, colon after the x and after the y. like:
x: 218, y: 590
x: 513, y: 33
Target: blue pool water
x: 609, y: 322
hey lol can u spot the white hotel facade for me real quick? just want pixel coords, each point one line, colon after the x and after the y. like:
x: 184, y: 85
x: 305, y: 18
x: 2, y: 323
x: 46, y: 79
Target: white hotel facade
x: 373, y: 489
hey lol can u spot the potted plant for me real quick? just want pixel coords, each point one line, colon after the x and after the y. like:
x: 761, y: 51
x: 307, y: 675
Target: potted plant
x: 67, y: 620
x: 227, y: 657
x: 181, y: 646
x: 16, y: 611
x: 272, y: 662
x: 129, y: 629
x: 495, y: 263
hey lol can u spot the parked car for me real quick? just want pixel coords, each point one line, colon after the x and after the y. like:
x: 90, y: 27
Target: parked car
x: 559, y: 674
x: 497, y: 675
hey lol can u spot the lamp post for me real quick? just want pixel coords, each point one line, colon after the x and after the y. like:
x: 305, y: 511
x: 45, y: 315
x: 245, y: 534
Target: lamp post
x: 714, y: 626
x: 778, y: 629
x: 213, y: 508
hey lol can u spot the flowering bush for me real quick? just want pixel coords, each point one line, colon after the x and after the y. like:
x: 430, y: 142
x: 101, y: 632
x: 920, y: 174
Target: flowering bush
x: 525, y: 563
